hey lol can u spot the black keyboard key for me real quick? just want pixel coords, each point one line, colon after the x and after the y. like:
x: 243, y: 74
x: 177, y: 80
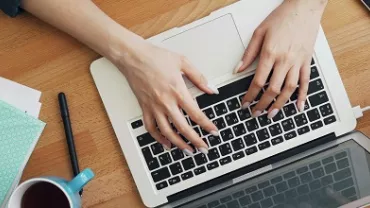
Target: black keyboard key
x: 187, y: 175
x: 303, y: 130
x: 293, y: 182
x: 303, y: 189
x: 214, y: 140
x: 266, y: 203
x: 315, y: 86
x: 250, y: 139
x: 277, y: 179
x: 251, y: 189
x: 264, y: 145
x: 239, y: 130
x: 200, y: 170
x: 146, y: 153
x: 219, y: 123
x: 226, y: 135
x: 233, y: 204
x: 306, y: 105
x: 251, y: 124
x: 231, y: 119
x: 225, y: 92
x: 213, y: 204
x: 237, y: 144
x: 213, y: 154
x: 318, y: 173
x: 165, y: 159
x: 327, y: 180
x: 312, y: 62
x: 262, y: 135
x: 238, y: 194
x: 327, y: 160
x: 343, y: 163
x: 343, y: 184
x: 176, y: 168
x: 212, y: 165
x: 145, y: 139
x: 279, y: 116
x: 313, y: 115
x: 329, y: 120
x: 318, y: 99
x: 209, y: 113
x: 177, y: 154
x: 314, y: 165
x: 289, y: 175
x: 269, y: 191
x: 233, y: 104
x: 225, y: 160
x: 281, y: 187
x: 290, y: 135
x: 152, y: 163
x: 238, y: 155
x: 256, y: 196
x: 244, y: 114
x: 263, y: 184
x: 326, y: 110
x: 288, y: 124
x: 245, y: 200
x: 316, y: 184
x: 220, y: 109
x: 275, y: 129
x: 251, y: 150
x: 316, y: 125
x: 340, y: 155
x: 255, y: 205
x: 291, y: 194
x: 137, y: 124
x: 188, y: 163
x: 289, y: 110
x: 263, y: 120
x: 225, y: 149
x: 306, y: 177
x: 279, y: 199
x: 277, y: 140
x: 302, y: 170
x: 300, y: 120
x: 157, y: 148
x: 200, y: 159
x: 342, y: 174
x: 174, y: 180
x: 160, y: 174
x: 349, y: 192
x: 161, y: 185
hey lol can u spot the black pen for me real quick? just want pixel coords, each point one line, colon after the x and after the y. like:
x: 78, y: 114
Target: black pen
x: 69, y: 134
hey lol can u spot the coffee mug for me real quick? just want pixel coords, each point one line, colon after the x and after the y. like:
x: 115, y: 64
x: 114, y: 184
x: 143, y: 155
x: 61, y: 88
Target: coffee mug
x: 50, y: 192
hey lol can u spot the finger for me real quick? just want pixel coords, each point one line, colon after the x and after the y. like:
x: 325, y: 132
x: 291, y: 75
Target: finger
x: 150, y: 126
x: 197, y: 78
x: 290, y: 86
x: 303, y: 85
x: 263, y: 70
x: 252, y: 51
x: 189, y: 133
x: 171, y: 135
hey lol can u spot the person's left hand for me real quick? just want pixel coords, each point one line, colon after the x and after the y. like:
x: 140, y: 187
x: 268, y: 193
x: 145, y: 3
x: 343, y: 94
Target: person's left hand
x: 285, y: 41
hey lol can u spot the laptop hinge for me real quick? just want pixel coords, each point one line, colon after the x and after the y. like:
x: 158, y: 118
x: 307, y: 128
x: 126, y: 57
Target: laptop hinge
x: 255, y: 166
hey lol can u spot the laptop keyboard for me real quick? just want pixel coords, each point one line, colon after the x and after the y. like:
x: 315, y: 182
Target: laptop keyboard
x: 240, y: 134
x: 310, y: 183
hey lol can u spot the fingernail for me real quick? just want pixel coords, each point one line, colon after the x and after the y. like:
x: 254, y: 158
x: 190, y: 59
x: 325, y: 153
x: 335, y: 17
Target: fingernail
x: 272, y: 113
x: 188, y: 152
x: 236, y: 70
x: 213, y: 88
x: 214, y: 133
x: 166, y: 147
x: 245, y: 105
x: 301, y: 106
x: 203, y: 150
x: 256, y: 114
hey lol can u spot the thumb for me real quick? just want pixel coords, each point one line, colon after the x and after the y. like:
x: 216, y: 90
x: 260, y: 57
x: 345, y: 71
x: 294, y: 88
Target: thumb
x: 252, y: 51
x: 197, y: 78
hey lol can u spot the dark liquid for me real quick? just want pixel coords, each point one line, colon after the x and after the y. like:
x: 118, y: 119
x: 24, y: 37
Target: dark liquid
x: 44, y: 195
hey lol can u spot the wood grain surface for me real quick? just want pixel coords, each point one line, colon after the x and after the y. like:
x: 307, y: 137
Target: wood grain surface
x: 35, y: 54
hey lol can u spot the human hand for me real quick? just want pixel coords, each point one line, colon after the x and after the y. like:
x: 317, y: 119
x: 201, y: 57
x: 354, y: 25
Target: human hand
x: 155, y: 76
x: 285, y: 41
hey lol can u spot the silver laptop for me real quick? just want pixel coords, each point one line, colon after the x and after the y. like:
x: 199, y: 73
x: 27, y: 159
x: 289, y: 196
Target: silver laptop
x: 215, y: 44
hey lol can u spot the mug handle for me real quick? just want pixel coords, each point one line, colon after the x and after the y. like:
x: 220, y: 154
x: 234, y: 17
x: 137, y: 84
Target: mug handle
x: 78, y: 182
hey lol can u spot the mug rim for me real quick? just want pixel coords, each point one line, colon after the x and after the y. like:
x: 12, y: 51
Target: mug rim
x: 41, y: 180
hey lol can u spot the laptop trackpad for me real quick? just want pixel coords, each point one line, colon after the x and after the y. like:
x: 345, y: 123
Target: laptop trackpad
x: 215, y: 48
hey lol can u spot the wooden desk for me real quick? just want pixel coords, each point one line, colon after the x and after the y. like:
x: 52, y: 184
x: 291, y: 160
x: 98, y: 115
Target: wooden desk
x: 37, y: 55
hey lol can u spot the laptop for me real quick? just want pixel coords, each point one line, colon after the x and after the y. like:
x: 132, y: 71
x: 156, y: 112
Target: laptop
x: 247, y: 146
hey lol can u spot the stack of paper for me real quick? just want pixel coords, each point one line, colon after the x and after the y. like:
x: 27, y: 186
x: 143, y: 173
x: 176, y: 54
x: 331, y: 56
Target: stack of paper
x: 19, y: 132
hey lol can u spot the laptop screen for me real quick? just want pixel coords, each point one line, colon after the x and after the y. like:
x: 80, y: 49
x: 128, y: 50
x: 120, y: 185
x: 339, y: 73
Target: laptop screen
x: 331, y: 178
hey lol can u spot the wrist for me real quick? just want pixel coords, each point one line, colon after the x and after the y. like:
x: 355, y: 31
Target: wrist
x: 312, y: 5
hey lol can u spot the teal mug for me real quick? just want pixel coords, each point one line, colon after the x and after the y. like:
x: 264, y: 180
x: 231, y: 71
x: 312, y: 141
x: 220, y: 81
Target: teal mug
x: 46, y: 192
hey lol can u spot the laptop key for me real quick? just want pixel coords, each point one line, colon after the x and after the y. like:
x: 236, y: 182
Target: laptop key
x: 238, y: 194
x: 251, y: 150
x: 187, y: 175
x: 262, y: 135
x: 315, y: 86
x: 251, y: 124
x: 293, y: 182
x: 250, y: 139
x: 245, y: 200
x: 269, y: 191
x: 343, y: 163
x: 219, y: 123
x: 266, y: 203
x: 291, y: 194
x: 238, y: 155
x: 256, y: 196
x: 255, y: 205
x: 313, y: 114
x: 200, y: 159
x: 279, y: 116
x: 329, y: 120
x: 277, y: 140
x: 213, y: 204
x: 237, y: 144
x: 231, y: 119
x: 306, y: 177
x: 277, y: 179
x: 314, y: 72
x: 318, y: 99
x: 263, y: 120
x: 209, y: 113
x: 343, y: 184
x: 145, y: 139
x: 146, y: 153
x: 349, y: 192
x: 300, y: 120
x: 340, y: 155
x: 225, y: 160
x: 326, y: 110
x: 263, y: 184
x: 157, y: 148
x: 327, y: 160
x: 177, y: 154
x: 165, y: 159
x: 213, y: 154
x: 302, y: 170
x: 137, y: 124
x: 279, y: 198
x: 244, y: 114
x: 233, y: 104
x: 316, y: 125
x: 264, y: 145
x: 226, y: 135
x: 318, y: 173
x: 290, y: 135
x: 275, y: 129
x: 213, y: 165
x: 188, y: 163
x: 251, y: 189
x: 160, y: 174
x: 225, y: 149
x: 288, y: 175
x: 316, y: 184
x: 220, y: 109
x: 152, y: 163
x: 200, y: 170
x: 214, y: 140
x: 281, y: 187
x: 314, y: 165
x: 174, y: 180
x: 327, y: 180
x: 303, y: 189
x: 289, y: 110
x: 226, y: 199
x: 288, y: 124
x: 233, y: 204
x: 342, y: 174
x: 161, y: 185
x: 176, y: 168
x: 239, y: 130
x: 303, y: 130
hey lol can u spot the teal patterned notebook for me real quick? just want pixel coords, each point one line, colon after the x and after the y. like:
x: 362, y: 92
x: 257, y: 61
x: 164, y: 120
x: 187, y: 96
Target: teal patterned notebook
x: 19, y: 134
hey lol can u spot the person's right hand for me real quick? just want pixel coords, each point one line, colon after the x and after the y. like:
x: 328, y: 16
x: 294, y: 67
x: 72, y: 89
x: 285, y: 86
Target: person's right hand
x: 155, y: 76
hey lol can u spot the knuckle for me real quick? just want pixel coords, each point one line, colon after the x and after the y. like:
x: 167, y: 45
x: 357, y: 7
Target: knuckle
x: 258, y: 32
x: 274, y: 90
x: 183, y: 128
x: 304, y: 80
x: 269, y: 52
x: 290, y: 86
x: 167, y: 132
x: 258, y: 83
